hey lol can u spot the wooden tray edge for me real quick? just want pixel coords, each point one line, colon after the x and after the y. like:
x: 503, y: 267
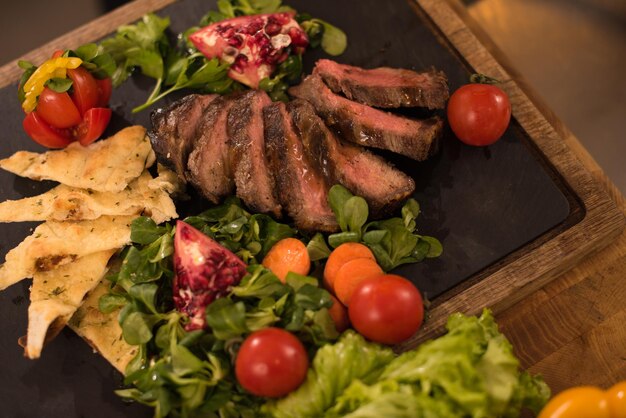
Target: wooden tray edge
x: 603, y: 220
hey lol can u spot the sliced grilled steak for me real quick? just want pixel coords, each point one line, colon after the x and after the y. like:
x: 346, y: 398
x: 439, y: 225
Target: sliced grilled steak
x: 253, y: 180
x: 360, y: 171
x: 386, y: 87
x: 174, y: 130
x: 302, y: 190
x: 364, y: 125
x: 208, y: 166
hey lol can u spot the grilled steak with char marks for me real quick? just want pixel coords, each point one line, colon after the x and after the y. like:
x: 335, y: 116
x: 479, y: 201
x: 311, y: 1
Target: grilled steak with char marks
x: 174, y: 130
x: 385, y: 87
x: 301, y: 188
x: 365, y: 174
x: 371, y: 127
x: 208, y: 165
x: 254, y: 183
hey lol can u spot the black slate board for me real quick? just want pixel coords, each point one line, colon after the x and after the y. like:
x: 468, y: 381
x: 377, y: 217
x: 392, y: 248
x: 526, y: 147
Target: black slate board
x: 482, y: 203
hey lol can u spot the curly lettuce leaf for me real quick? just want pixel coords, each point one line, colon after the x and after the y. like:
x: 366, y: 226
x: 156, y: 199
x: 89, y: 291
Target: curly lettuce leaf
x: 469, y: 372
x: 334, y: 368
x: 474, y: 366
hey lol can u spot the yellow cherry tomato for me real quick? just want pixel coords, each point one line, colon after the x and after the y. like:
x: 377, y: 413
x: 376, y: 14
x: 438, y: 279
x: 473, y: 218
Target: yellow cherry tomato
x: 616, y: 399
x: 578, y: 402
x: 53, y: 68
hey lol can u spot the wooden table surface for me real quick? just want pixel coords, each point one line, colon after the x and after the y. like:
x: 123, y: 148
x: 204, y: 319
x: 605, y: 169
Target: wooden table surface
x: 572, y: 330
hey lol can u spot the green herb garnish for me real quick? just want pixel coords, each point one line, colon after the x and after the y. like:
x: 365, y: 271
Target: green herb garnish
x: 146, y: 46
x: 393, y: 241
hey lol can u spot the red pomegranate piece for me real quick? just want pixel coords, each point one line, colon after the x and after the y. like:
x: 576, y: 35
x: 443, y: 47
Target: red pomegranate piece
x: 204, y: 271
x: 253, y: 45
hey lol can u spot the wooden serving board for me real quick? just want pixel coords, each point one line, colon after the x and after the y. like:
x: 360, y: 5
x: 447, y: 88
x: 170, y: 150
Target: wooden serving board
x: 511, y: 216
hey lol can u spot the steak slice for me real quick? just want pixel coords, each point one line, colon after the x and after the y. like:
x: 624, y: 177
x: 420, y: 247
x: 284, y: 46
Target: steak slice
x: 253, y: 180
x: 363, y: 173
x: 386, y: 87
x: 174, y: 129
x: 302, y: 190
x: 364, y: 125
x: 208, y: 166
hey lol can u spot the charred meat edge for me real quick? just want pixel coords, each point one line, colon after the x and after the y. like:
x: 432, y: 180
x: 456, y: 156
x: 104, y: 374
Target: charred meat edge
x: 301, y: 188
x: 208, y: 166
x: 386, y: 87
x: 174, y: 130
x: 254, y: 182
x: 364, y: 125
x: 383, y: 186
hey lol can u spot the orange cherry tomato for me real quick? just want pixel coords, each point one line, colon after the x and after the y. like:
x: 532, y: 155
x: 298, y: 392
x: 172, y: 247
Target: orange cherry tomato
x: 578, y: 402
x: 616, y: 398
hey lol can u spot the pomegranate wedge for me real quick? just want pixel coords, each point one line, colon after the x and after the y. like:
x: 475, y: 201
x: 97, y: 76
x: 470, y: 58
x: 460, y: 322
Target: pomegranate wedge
x: 204, y: 271
x: 253, y: 45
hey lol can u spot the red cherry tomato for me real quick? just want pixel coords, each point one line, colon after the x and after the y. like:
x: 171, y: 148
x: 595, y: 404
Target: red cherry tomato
x: 57, y: 109
x: 105, y: 87
x: 479, y: 113
x: 386, y: 309
x: 93, y: 125
x: 271, y: 362
x: 42, y: 133
x: 85, y: 92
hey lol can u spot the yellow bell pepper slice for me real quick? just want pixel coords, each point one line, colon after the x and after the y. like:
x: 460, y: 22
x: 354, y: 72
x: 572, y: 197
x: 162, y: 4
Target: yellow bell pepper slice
x: 53, y: 68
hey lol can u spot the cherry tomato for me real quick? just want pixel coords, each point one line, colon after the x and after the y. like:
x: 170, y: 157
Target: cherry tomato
x: 105, y: 87
x: 42, y: 133
x: 339, y: 315
x: 93, y: 125
x: 616, y: 398
x: 85, y: 92
x: 479, y: 113
x: 271, y: 362
x: 57, y: 109
x: 577, y: 402
x: 386, y: 309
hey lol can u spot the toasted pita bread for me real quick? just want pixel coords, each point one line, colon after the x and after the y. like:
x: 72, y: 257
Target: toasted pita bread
x: 57, y: 294
x: 102, y: 331
x: 64, y: 203
x: 53, y: 244
x: 168, y: 181
x: 106, y: 166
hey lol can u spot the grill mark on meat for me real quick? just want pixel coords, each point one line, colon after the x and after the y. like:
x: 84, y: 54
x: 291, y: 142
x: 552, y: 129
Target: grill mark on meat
x: 364, y: 125
x: 208, y: 165
x: 365, y: 174
x: 174, y: 130
x: 301, y: 188
x: 386, y: 87
x: 253, y: 181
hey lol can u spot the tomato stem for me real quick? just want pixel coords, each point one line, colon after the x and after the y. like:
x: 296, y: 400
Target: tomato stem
x: 483, y: 79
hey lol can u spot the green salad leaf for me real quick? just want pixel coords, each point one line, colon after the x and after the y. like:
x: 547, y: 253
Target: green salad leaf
x: 394, y: 241
x: 189, y: 373
x: 469, y: 372
x: 146, y: 46
x: 334, y: 368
